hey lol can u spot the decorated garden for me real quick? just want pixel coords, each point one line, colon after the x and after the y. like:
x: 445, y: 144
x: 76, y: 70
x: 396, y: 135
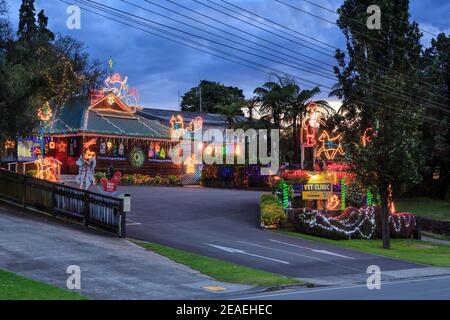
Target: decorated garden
x: 347, y: 210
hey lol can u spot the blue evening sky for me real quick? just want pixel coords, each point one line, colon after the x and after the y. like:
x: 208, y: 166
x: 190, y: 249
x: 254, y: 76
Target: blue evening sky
x: 159, y: 68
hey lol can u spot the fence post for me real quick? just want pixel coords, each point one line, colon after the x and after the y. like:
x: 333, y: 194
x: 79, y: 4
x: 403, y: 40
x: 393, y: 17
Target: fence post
x: 122, y: 221
x: 54, y: 200
x: 24, y: 196
x: 86, y: 213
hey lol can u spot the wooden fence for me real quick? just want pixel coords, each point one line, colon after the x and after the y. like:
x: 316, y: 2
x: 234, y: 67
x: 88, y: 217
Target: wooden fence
x: 88, y: 207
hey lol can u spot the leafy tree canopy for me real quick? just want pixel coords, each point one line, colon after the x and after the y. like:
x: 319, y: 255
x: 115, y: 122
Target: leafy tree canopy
x: 381, y: 68
x: 213, y: 94
x: 38, y: 67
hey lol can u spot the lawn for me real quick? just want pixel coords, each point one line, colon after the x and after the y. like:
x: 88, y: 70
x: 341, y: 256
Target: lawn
x: 218, y: 269
x: 404, y: 249
x: 425, y: 207
x: 14, y: 287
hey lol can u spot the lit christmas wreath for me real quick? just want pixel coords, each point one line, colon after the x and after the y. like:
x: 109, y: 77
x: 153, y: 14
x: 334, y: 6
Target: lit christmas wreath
x: 137, y: 157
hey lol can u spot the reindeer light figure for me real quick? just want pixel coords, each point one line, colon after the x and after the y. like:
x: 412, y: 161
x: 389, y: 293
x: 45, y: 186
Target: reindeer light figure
x: 331, y: 147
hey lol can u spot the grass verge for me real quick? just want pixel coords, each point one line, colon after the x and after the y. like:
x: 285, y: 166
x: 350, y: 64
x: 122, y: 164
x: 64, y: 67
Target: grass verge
x: 425, y: 207
x: 405, y: 249
x: 436, y: 236
x: 218, y: 269
x: 15, y: 287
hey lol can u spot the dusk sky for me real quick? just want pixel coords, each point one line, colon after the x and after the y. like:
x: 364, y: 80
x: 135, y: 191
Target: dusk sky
x: 159, y: 68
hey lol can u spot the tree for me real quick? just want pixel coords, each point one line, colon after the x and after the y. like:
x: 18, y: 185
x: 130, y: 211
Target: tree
x: 211, y: 94
x: 231, y: 111
x: 5, y: 27
x: 387, y: 58
x: 273, y: 98
x: 251, y: 105
x: 35, y: 68
x: 436, y: 70
x: 27, y: 21
x: 67, y: 72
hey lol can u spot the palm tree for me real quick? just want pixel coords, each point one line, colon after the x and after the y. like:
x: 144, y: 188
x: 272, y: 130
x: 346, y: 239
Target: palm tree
x: 251, y: 105
x: 230, y: 111
x: 272, y: 96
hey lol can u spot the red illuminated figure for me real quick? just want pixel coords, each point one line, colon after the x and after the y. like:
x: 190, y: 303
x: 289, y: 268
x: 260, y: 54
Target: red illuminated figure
x: 311, y: 123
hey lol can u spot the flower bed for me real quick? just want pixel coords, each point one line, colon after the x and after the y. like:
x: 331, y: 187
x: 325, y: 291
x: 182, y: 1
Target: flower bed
x: 364, y: 223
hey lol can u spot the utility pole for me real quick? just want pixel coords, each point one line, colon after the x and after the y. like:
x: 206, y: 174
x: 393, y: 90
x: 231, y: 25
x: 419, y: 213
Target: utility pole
x: 200, y: 97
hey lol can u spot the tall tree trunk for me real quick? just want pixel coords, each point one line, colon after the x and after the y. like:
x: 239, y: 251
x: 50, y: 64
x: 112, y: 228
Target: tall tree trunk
x: 295, y: 136
x: 385, y: 217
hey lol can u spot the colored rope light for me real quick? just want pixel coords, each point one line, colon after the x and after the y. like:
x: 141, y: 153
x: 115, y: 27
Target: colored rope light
x: 333, y: 203
x: 285, y: 194
x: 367, y: 136
x: 343, y: 194
x: 369, y: 198
x: 311, y: 123
x: 331, y: 147
x: 45, y: 112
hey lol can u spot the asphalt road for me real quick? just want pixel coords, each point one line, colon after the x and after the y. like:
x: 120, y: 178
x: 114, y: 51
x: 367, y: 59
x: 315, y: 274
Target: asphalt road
x: 224, y: 224
x: 420, y: 289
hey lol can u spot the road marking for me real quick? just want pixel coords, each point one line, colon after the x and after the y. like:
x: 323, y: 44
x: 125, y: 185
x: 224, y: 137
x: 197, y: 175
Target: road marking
x: 283, y: 251
x: 132, y: 222
x: 215, y: 288
x: 339, y: 288
x: 233, y: 250
x: 302, y: 255
x: 313, y: 250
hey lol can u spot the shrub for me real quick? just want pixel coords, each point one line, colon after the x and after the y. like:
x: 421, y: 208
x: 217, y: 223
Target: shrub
x: 174, y: 180
x: 272, y: 213
x: 160, y: 180
x: 32, y: 173
x: 99, y: 176
x: 268, y: 198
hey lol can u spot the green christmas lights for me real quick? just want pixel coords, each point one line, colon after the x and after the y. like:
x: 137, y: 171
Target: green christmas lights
x: 369, y: 198
x: 343, y: 194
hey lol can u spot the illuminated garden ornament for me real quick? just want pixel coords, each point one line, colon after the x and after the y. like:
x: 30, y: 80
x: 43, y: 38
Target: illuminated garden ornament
x: 111, y: 64
x: 115, y: 84
x: 334, y: 203
x: 331, y: 147
x: 88, y: 153
x: 45, y: 112
x: 311, y: 123
x: 47, y: 169
x: 111, y: 100
x: 10, y: 144
x: 178, y: 128
x: 190, y: 165
x: 367, y: 136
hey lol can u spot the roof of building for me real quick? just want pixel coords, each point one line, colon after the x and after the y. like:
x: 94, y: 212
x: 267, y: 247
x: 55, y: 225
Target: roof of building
x: 105, y: 117
x: 165, y: 116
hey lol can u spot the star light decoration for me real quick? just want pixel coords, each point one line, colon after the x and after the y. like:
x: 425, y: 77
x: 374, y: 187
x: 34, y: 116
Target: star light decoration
x: 111, y: 100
